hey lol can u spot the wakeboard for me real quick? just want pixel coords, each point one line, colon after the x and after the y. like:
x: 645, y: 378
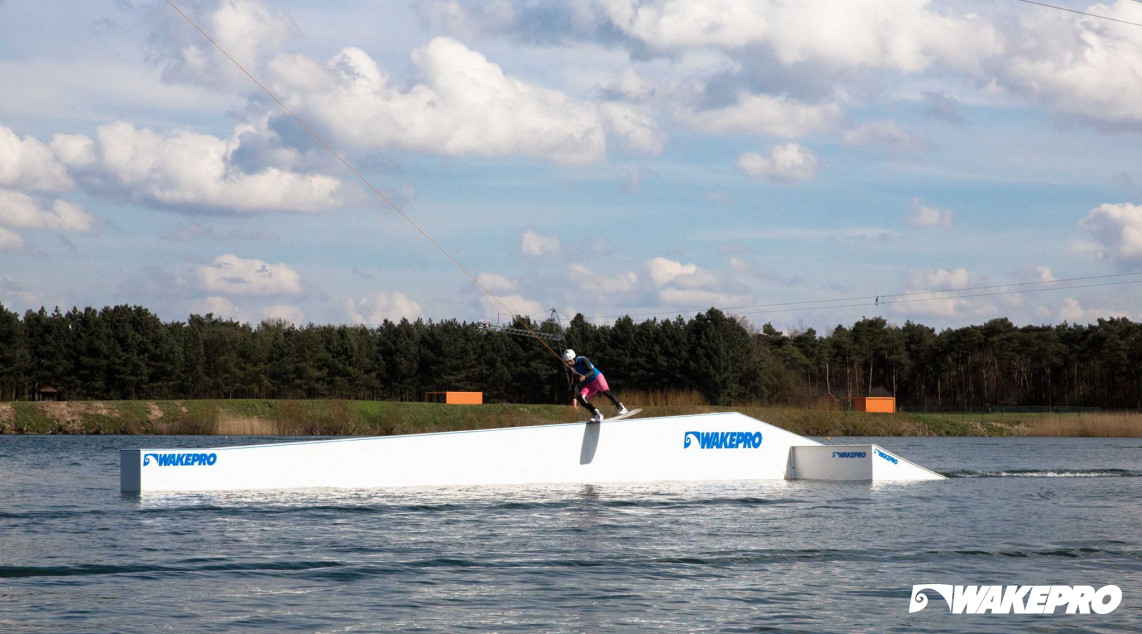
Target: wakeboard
x: 629, y: 413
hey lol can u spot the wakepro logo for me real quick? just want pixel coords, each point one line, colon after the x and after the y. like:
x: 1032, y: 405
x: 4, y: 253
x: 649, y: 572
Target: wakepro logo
x: 1019, y: 599
x: 722, y: 439
x: 181, y: 459
x: 850, y: 454
x: 887, y: 457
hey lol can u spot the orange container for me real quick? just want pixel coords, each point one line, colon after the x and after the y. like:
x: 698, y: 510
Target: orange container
x: 455, y: 398
x: 882, y: 404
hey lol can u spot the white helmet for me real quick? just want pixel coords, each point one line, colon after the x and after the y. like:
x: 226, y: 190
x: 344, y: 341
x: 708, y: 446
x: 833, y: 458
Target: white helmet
x: 569, y: 355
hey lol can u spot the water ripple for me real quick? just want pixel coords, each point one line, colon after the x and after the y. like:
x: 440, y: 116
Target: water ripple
x: 84, y: 570
x: 1048, y: 473
x: 736, y: 557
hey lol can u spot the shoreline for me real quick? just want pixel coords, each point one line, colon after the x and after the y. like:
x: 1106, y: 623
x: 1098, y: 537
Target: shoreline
x: 331, y: 417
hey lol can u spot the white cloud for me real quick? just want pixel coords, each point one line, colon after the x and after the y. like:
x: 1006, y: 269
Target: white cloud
x: 698, y: 297
x: 538, y: 245
x: 1117, y: 229
x: 635, y: 129
x: 663, y: 270
x: 766, y: 114
x: 73, y: 150
x: 284, y: 313
x: 921, y: 215
x: 927, y: 294
x: 220, y: 306
x: 929, y: 304
x: 383, y: 306
x: 183, y: 168
x: 14, y: 295
x: 248, y: 30
x: 787, y: 163
x: 1074, y: 65
x: 678, y: 24
x: 585, y: 279
x: 231, y: 275
x: 1045, y: 274
x: 810, y: 235
x: 30, y: 165
x: 898, y: 34
x: 497, y: 300
x: 631, y: 87
x: 496, y: 283
x: 21, y: 211
x: 904, y: 35
x: 685, y: 284
x: 465, y: 105
x: 939, y: 279
x: 1079, y: 66
x: 10, y: 240
x: 1073, y: 311
x: 887, y: 133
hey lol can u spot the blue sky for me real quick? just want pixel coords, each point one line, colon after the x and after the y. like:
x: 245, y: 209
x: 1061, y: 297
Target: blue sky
x: 788, y: 162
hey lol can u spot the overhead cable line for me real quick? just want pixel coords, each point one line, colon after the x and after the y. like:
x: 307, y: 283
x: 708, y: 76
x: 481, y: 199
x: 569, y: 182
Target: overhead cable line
x: 938, y: 296
x: 361, y: 177
x: 889, y: 298
x: 1089, y: 15
x: 916, y: 296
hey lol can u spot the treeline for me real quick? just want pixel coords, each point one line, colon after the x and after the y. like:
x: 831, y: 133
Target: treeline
x: 126, y: 352
x: 997, y: 363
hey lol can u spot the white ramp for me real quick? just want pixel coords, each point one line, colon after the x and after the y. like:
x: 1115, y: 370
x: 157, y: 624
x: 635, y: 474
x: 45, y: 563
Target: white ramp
x: 723, y: 446
x: 854, y: 462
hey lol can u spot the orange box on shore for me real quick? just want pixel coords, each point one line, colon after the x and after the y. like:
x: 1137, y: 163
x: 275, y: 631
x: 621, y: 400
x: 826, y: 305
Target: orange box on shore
x: 882, y: 404
x: 455, y: 398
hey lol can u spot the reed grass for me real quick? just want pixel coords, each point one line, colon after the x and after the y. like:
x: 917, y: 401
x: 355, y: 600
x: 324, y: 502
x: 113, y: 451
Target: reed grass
x: 665, y: 398
x: 1096, y: 425
x: 230, y: 425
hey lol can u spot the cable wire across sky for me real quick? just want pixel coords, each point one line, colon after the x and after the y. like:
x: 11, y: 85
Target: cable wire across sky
x: 1084, y: 13
x: 915, y: 296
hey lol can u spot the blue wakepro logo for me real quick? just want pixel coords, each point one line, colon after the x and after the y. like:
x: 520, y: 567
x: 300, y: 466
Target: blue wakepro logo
x: 850, y: 454
x: 722, y: 439
x: 887, y: 457
x: 181, y: 459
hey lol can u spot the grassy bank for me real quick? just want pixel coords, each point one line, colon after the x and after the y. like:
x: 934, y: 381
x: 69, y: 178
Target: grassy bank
x: 257, y: 417
x: 262, y: 417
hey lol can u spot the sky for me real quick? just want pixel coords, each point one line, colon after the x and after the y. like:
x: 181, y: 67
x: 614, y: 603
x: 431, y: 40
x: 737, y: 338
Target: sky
x: 805, y: 164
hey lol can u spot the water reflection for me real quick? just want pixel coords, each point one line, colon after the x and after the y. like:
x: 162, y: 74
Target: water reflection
x: 714, y: 556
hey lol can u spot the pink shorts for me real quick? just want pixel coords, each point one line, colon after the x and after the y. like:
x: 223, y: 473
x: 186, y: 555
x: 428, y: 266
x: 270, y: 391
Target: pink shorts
x: 592, y: 388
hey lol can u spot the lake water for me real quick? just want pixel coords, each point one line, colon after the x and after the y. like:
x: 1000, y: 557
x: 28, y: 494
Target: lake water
x: 76, y: 555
